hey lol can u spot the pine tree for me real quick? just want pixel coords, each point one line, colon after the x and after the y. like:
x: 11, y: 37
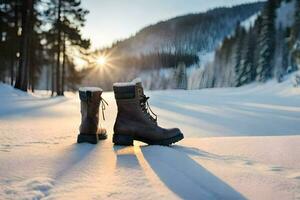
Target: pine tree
x: 71, y: 35
x: 295, y: 39
x: 70, y: 17
x: 25, y: 44
x: 58, y: 51
x: 9, y: 39
x: 181, y: 76
x: 267, y: 42
x: 281, y: 54
x: 4, y: 26
x: 24, y: 61
x: 296, y: 26
x: 249, y: 68
x: 239, y: 62
x: 256, y: 33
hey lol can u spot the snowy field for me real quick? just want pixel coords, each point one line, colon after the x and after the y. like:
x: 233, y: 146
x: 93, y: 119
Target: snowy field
x: 241, y: 143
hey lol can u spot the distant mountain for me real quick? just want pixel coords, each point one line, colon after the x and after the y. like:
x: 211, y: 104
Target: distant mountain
x: 156, y: 53
x: 188, y: 33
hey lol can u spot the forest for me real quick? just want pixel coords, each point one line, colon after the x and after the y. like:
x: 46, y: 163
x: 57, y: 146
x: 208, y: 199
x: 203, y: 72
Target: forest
x: 268, y: 49
x: 41, y: 34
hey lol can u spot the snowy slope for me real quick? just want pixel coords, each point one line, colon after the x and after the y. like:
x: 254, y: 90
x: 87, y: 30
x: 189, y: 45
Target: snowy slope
x: 248, y: 23
x: 39, y: 158
x: 161, y: 35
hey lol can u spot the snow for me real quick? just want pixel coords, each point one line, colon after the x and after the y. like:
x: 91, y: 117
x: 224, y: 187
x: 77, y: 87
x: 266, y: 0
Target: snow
x: 248, y: 23
x: 240, y: 143
x: 285, y: 14
x: 206, y: 57
x: 92, y: 89
x: 125, y: 84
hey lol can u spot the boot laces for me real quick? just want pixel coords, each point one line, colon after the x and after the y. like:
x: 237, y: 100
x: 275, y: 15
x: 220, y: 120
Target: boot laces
x: 147, y: 109
x: 103, y: 107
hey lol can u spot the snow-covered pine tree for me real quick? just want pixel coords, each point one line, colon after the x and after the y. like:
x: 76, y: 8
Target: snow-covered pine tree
x: 267, y: 42
x: 181, y: 76
x: 257, y: 31
x: 239, y: 63
x: 281, y: 54
x: 295, y: 39
x: 285, y: 52
x: 226, y: 61
x: 249, y: 68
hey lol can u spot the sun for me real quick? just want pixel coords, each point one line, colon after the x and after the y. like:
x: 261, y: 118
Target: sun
x: 101, y: 60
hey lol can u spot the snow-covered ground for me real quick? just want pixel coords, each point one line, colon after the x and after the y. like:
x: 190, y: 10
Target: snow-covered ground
x: 39, y: 158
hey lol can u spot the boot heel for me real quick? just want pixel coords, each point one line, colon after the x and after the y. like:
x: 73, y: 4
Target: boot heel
x: 87, y: 138
x: 125, y: 140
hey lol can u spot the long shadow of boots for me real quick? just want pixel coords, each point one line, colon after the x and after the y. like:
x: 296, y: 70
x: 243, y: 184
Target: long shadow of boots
x: 185, y: 177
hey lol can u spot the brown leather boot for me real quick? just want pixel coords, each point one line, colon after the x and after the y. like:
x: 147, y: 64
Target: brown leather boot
x: 135, y: 119
x: 90, y: 101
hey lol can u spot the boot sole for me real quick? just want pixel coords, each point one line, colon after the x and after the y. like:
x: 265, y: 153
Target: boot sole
x: 126, y: 140
x: 91, y: 138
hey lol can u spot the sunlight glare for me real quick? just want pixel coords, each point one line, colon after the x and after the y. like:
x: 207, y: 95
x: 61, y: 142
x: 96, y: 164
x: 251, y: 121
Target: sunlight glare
x: 101, y: 61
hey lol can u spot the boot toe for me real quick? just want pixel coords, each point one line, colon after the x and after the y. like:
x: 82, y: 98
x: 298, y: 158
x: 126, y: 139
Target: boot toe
x: 173, y: 132
x: 172, y: 135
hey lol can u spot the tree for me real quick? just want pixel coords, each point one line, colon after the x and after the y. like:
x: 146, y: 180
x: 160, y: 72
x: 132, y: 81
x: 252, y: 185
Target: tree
x: 72, y: 38
x: 24, y: 61
x: 295, y: 39
x: 281, y: 54
x: 58, y: 51
x: 240, y: 34
x: 181, y: 76
x: 65, y: 34
x: 9, y: 38
x: 249, y: 64
x: 26, y: 40
x: 267, y: 42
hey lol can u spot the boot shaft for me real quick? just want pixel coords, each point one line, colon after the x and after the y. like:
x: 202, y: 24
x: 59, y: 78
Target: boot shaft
x: 128, y: 91
x: 128, y: 98
x: 90, y: 101
x: 131, y: 108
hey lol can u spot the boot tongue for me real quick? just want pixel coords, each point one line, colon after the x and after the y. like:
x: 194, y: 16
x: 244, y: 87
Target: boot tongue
x: 140, y: 90
x: 143, y: 100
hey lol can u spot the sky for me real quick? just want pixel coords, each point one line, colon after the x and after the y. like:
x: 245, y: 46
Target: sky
x: 111, y: 20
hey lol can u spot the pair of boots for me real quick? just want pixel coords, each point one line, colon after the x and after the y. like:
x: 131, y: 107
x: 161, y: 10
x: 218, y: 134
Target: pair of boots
x: 135, y: 119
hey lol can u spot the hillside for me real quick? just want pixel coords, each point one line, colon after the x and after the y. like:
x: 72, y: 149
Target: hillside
x: 184, y: 39
x: 193, y: 32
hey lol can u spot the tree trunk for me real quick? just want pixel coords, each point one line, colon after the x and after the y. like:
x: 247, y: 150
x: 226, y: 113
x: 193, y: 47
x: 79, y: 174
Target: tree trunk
x: 63, y: 66
x: 16, y: 45
x: 22, y: 77
x: 47, y: 78
x: 58, y: 87
x: 12, y: 65
x: 32, y: 65
x: 52, y: 79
